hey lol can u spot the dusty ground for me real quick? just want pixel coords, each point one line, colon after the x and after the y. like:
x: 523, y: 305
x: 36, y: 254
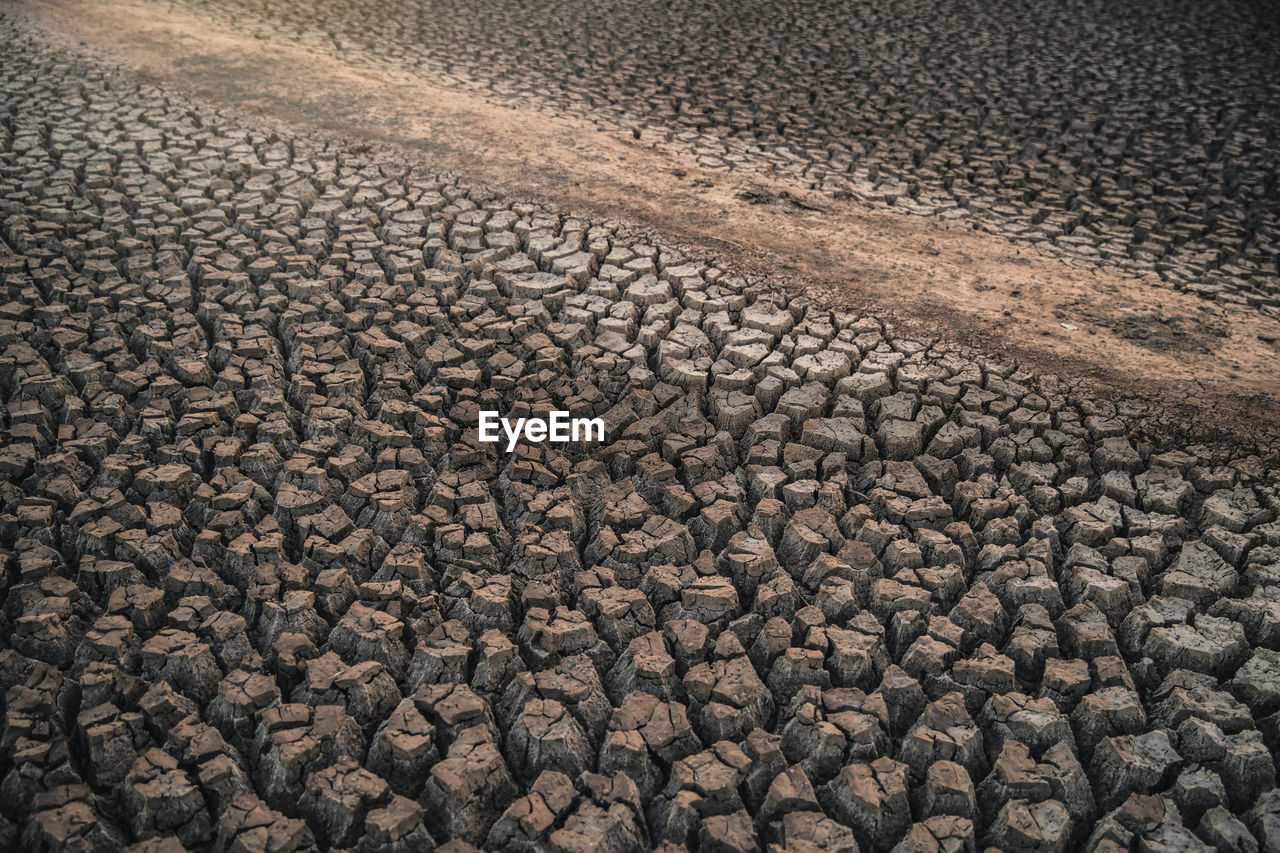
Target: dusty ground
x: 1126, y: 333
x: 819, y: 587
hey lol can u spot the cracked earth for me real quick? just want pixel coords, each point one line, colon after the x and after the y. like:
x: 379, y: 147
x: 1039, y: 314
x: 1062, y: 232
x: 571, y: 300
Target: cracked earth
x: 939, y: 505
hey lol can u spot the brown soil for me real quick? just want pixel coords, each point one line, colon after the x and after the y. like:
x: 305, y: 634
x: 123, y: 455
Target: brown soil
x: 1116, y: 332
x: 1154, y: 330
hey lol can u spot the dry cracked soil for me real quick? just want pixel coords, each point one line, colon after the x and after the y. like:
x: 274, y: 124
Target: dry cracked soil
x: 938, y: 506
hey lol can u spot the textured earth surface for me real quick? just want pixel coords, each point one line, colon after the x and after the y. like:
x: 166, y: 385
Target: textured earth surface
x: 825, y: 586
x: 1138, y: 134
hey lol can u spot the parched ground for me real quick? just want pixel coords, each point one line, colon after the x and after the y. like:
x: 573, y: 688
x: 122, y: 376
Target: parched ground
x: 878, y: 553
x: 1112, y: 321
x: 1140, y: 134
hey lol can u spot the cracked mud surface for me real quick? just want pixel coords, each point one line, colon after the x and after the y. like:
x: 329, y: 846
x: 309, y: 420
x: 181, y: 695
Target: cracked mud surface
x: 934, y: 276
x: 829, y: 584
x: 1131, y: 139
